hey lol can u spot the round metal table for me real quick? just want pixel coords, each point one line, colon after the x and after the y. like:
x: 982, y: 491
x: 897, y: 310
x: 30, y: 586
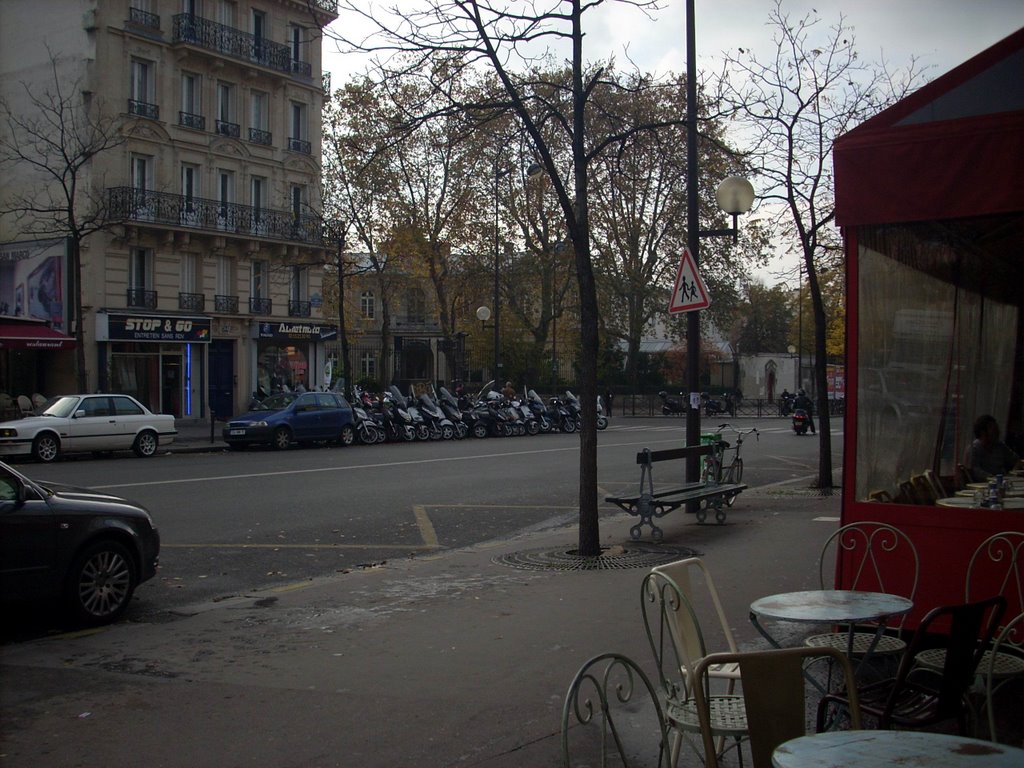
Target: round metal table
x: 829, y: 606
x: 883, y: 749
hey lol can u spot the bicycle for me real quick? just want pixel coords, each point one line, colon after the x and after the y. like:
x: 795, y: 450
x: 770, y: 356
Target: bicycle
x: 716, y: 471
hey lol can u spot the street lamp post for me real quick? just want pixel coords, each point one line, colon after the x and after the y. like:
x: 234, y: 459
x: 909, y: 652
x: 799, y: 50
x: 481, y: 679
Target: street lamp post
x: 499, y: 173
x: 735, y: 196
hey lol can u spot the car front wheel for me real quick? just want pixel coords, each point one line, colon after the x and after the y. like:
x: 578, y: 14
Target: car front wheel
x: 46, y: 447
x: 146, y: 444
x: 100, y: 583
x: 282, y: 438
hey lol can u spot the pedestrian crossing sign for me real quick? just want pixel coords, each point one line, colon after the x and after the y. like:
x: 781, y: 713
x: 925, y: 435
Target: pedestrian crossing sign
x: 689, y: 293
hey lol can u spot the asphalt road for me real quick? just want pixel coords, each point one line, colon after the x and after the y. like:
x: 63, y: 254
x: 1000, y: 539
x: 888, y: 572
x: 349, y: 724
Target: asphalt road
x: 232, y: 522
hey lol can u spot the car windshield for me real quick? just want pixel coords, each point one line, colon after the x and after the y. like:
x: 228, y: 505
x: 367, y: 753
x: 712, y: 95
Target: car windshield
x: 277, y: 402
x: 61, y: 407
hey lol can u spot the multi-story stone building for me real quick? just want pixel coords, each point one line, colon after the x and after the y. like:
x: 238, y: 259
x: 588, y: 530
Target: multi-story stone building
x: 209, y: 283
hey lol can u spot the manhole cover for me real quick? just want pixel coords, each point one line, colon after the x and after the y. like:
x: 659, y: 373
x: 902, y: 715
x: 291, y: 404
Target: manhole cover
x: 632, y: 555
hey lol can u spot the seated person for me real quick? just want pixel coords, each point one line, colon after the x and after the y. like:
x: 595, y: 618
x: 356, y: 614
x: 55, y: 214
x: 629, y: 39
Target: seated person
x: 987, y: 455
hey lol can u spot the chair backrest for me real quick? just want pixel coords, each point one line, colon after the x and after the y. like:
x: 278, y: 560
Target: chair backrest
x: 38, y: 400
x: 24, y: 404
x: 773, y: 695
x: 970, y: 630
x: 673, y: 632
x: 870, y: 556
x: 923, y: 490
x: 1010, y: 641
x: 612, y: 716
x: 681, y: 572
x: 996, y: 568
x: 938, y: 487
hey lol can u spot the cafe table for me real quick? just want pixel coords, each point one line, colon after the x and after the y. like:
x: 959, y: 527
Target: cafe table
x: 967, y: 502
x: 882, y: 749
x: 829, y: 606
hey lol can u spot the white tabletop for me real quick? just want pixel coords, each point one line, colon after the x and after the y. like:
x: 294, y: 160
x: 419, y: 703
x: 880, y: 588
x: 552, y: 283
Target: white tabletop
x: 965, y: 502
x: 830, y: 606
x: 883, y: 749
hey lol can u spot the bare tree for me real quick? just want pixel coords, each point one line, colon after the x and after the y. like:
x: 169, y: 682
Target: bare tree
x: 501, y: 36
x: 793, y: 105
x: 48, y: 141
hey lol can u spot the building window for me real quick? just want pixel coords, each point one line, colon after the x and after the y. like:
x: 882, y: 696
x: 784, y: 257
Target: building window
x: 142, y: 182
x: 258, y: 201
x: 189, y: 186
x: 368, y: 365
x: 226, y: 12
x: 189, y: 273
x: 298, y: 200
x: 140, y: 269
x: 190, y: 7
x: 259, y: 288
x: 298, y: 286
x: 367, y: 305
x: 142, y: 80
x: 259, y: 119
x: 226, y: 123
x: 297, y: 140
x: 415, y: 306
x: 225, y: 275
x: 225, y: 196
x: 191, y: 102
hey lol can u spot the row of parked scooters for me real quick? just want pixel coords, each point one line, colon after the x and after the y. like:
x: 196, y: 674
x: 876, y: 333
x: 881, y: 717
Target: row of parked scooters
x: 442, y: 415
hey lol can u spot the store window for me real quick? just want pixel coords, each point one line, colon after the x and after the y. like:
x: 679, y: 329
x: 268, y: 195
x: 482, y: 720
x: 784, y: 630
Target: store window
x: 281, y: 367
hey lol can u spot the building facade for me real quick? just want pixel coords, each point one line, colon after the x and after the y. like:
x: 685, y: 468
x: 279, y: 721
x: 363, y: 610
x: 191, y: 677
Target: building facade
x: 209, y: 282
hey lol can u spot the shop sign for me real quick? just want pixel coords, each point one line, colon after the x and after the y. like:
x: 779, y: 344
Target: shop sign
x: 158, y: 328
x: 298, y: 331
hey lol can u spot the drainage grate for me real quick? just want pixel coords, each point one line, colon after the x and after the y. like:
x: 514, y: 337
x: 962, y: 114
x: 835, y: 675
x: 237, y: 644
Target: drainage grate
x: 632, y: 555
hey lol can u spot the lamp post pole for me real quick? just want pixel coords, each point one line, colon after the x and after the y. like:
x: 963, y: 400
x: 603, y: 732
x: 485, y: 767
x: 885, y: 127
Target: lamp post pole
x: 498, y: 174
x: 692, y: 240
x: 800, y: 330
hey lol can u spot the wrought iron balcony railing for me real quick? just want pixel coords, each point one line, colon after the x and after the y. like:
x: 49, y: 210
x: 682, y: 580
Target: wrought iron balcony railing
x: 298, y: 308
x: 143, y: 18
x: 231, y: 42
x: 256, y: 136
x: 331, y: 6
x: 143, y: 109
x: 302, y: 68
x: 194, y: 302
x: 141, y: 298
x: 258, y: 306
x: 325, y: 80
x: 226, y: 304
x: 231, y: 130
x: 299, y: 145
x: 162, y: 208
x: 188, y: 120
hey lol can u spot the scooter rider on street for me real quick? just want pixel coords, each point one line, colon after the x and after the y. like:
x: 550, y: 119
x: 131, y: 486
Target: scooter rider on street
x: 804, y: 402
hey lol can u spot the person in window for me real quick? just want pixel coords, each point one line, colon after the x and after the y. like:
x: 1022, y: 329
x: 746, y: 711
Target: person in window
x: 988, y: 455
x: 804, y: 402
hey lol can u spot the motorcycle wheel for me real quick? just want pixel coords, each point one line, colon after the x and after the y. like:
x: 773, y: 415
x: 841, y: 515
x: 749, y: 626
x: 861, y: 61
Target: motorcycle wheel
x: 569, y: 425
x: 602, y: 422
x: 447, y: 432
x: 378, y: 434
x: 461, y: 430
x: 666, y: 411
x: 408, y: 433
x: 422, y: 432
x: 480, y: 430
x: 532, y: 427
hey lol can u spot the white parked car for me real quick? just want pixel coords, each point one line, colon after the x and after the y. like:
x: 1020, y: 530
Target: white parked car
x: 76, y: 423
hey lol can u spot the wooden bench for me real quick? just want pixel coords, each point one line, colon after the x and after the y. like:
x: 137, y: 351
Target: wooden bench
x: 649, y: 504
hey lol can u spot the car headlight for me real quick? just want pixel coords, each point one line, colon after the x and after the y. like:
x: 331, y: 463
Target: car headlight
x: 258, y: 424
x: 8, y: 432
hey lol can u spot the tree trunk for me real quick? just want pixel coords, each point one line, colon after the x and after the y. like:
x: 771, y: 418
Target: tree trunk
x: 81, y: 374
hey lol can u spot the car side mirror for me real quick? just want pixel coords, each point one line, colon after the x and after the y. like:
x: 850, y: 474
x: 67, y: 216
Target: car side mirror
x: 79, y: 414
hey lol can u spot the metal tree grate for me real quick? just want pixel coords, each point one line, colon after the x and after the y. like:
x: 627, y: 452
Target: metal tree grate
x: 618, y: 557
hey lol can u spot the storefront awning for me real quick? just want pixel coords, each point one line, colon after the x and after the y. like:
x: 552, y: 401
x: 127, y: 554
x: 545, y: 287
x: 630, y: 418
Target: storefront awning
x: 27, y: 336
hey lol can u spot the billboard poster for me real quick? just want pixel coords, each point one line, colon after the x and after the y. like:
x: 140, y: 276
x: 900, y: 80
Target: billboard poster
x: 33, y: 281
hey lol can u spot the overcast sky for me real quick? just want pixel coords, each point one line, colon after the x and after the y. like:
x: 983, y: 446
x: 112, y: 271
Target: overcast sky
x: 941, y: 33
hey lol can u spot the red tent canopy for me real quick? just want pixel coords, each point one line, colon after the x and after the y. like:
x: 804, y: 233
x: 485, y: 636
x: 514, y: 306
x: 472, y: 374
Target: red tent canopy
x: 32, y: 336
x: 953, y: 149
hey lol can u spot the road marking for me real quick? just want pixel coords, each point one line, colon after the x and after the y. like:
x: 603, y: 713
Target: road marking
x: 426, y: 527
x: 825, y: 520
x: 413, y: 547
x: 292, y: 587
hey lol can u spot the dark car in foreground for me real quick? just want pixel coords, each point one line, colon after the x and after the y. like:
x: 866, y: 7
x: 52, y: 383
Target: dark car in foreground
x: 289, y: 417
x: 89, y: 549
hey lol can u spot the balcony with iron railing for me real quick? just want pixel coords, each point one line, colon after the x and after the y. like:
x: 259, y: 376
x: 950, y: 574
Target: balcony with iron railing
x: 260, y: 306
x: 231, y: 130
x: 141, y: 298
x: 228, y: 305
x: 299, y: 145
x: 257, y: 136
x: 233, y: 43
x: 329, y: 6
x: 138, y: 206
x: 193, y: 302
x: 140, y: 18
x: 143, y: 109
x: 188, y: 120
x: 299, y: 308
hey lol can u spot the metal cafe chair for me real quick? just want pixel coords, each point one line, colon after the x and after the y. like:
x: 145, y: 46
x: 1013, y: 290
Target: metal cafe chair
x: 677, y: 643
x: 614, y: 702
x: 774, y: 695
x: 1009, y: 644
x: 874, y: 554
x: 918, y: 697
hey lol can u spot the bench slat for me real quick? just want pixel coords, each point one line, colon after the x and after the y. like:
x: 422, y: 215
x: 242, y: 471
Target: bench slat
x: 645, y: 457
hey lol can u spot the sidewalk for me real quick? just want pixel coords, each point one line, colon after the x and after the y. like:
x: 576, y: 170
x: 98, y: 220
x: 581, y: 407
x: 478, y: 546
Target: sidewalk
x: 441, y: 661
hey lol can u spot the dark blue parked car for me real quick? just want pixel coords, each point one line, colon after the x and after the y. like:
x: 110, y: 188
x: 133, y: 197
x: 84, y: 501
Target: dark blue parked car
x: 288, y: 417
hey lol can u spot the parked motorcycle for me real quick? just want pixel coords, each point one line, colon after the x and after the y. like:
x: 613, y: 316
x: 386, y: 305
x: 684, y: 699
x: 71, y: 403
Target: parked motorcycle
x: 671, y: 406
x: 450, y: 407
x: 786, y: 404
x: 368, y: 429
x: 546, y: 416
x: 711, y: 406
x: 602, y: 420
x: 440, y: 426
x: 801, y: 421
